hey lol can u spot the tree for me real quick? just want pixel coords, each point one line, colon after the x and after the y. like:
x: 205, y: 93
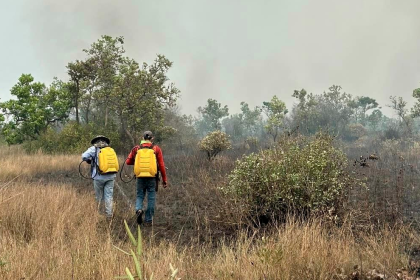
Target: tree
x: 211, y: 115
x: 251, y: 118
x: 104, y: 57
x: 141, y: 95
x: 361, y: 106
x: 185, y: 137
x: 400, y: 107
x: 76, y: 72
x: 83, y: 82
x: 375, y: 118
x: 304, y: 113
x: 415, y: 111
x: 35, y: 108
x: 234, y: 126
x: 275, y: 111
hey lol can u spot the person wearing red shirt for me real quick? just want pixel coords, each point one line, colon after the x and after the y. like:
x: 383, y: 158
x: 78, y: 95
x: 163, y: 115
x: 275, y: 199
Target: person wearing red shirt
x: 146, y: 184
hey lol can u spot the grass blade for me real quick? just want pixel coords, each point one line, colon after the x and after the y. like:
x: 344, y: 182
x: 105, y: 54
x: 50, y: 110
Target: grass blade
x: 137, y: 264
x: 130, y: 276
x: 121, y: 250
x: 130, y: 234
x: 139, y: 242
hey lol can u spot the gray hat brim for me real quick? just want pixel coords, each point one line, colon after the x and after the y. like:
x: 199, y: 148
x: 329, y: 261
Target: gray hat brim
x: 100, y: 137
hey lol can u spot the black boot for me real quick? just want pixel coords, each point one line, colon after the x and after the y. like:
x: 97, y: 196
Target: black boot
x: 139, y: 214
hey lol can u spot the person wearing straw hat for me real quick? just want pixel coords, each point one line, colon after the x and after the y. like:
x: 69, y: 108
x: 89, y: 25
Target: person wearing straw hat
x: 103, y: 184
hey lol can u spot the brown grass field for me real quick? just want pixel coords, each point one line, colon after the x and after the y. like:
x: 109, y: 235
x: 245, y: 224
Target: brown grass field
x: 50, y: 229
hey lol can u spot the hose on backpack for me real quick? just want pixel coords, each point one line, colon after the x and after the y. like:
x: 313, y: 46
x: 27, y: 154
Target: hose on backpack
x: 93, y: 163
x: 121, y: 171
x: 80, y: 171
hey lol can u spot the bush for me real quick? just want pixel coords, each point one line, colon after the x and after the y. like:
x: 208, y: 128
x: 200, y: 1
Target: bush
x: 356, y: 131
x: 251, y: 143
x: 301, y: 175
x: 214, y: 143
x: 73, y: 138
x: 391, y: 133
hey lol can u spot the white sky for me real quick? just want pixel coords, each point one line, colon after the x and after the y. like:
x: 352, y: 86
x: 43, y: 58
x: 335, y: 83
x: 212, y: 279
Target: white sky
x: 231, y: 50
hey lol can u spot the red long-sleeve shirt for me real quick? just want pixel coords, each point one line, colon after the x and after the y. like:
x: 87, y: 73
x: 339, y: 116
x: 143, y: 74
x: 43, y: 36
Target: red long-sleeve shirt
x: 159, y: 157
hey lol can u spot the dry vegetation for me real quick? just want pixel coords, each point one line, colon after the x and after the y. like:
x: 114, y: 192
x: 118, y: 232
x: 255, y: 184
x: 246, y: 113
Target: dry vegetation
x: 50, y: 229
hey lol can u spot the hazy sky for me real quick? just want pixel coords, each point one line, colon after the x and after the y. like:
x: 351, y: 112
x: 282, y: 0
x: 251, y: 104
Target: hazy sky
x: 229, y: 50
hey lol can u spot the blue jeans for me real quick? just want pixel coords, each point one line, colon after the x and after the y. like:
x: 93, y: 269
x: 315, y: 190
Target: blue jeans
x: 146, y: 185
x: 104, y: 190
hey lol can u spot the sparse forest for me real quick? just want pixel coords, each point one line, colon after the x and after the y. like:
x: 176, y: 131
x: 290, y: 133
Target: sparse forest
x: 328, y: 188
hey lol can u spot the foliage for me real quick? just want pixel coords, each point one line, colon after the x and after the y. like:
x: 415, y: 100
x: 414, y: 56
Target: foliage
x: 251, y: 119
x: 415, y: 111
x: 375, y: 118
x: 141, y: 95
x: 361, y: 105
x: 275, y: 111
x: 184, y: 136
x: 330, y: 110
x: 245, y: 124
x: 111, y: 88
x: 301, y: 175
x: 73, y: 138
x: 137, y: 254
x: 356, y: 131
x: 304, y: 113
x: 106, y: 90
x: 251, y: 143
x: 233, y: 126
x: 35, y: 109
x: 211, y: 116
x: 214, y: 143
x: 405, y: 119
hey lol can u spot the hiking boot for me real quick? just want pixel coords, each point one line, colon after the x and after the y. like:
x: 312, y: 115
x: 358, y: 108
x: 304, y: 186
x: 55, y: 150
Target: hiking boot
x: 139, y: 214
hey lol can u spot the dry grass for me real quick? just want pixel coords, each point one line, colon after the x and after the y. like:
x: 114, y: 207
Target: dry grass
x: 53, y: 231
x: 17, y: 164
x: 50, y: 232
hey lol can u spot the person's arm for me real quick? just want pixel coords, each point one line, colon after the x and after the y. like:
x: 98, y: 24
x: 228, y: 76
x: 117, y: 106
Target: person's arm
x: 89, y: 154
x: 132, y: 156
x: 161, y: 164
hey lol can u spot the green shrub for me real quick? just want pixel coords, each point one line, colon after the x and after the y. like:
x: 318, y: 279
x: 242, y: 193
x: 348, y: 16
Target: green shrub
x: 214, y: 143
x: 73, y: 138
x: 301, y: 175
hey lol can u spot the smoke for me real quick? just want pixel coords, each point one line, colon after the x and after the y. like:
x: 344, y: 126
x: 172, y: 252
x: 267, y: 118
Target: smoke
x: 231, y: 51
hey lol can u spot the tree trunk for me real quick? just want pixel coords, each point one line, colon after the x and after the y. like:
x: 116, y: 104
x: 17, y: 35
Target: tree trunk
x: 76, y: 101
x: 106, y: 115
x: 87, y: 110
x: 133, y: 141
x: 124, y: 130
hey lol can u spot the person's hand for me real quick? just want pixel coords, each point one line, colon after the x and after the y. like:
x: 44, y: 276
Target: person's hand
x: 89, y: 161
x: 165, y: 184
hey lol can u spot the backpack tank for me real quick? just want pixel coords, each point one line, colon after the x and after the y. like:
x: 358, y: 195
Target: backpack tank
x: 145, y: 164
x: 108, y: 161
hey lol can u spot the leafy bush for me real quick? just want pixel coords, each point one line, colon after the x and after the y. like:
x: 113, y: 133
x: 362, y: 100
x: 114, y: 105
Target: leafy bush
x: 73, y: 138
x: 392, y: 132
x: 301, y: 175
x: 251, y: 143
x: 214, y: 143
x: 356, y: 131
